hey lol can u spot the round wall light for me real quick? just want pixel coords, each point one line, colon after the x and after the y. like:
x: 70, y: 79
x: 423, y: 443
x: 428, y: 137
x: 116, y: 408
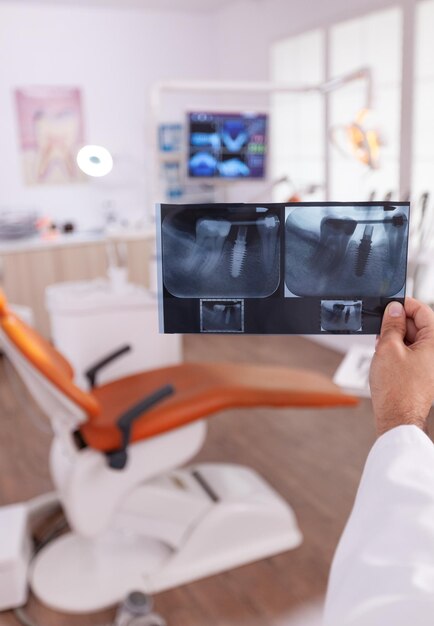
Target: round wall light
x: 95, y: 160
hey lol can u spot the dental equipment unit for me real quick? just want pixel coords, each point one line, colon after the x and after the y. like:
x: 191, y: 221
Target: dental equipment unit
x: 137, y: 519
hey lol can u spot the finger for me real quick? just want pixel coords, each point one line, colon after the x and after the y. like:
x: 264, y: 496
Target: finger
x: 421, y: 314
x: 394, y: 323
x: 411, y: 331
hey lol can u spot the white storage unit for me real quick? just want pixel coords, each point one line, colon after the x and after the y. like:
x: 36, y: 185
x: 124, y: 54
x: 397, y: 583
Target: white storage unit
x: 15, y: 552
x: 93, y: 318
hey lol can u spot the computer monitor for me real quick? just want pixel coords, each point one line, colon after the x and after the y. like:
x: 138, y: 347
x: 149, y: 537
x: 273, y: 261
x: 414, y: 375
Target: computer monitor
x: 227, y: 146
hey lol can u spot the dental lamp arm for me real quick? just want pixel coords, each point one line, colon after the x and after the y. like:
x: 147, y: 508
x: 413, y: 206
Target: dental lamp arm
x: 92, y: 372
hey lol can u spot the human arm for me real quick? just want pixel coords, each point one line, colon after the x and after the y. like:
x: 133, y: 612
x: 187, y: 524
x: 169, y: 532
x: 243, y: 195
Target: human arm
x: 383, y: 569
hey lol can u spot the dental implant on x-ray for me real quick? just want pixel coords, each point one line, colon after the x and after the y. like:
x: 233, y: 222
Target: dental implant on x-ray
x: 364, y: 250
x: 361, y: 253
x: 239, y: 251
x: 268, y: 228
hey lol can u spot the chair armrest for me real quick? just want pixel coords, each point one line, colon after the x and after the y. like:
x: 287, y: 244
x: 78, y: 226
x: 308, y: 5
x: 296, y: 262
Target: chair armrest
x: 117, y: 458
x: 92, y: 372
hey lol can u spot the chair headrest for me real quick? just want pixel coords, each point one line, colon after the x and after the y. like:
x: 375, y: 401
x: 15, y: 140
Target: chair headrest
x: 44, y: 358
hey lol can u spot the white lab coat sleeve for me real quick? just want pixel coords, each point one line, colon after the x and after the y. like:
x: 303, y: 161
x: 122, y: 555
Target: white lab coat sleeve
x: 383, y: 570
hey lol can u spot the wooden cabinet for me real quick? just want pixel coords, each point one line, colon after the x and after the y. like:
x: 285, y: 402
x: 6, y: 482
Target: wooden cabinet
x: 26, y: 271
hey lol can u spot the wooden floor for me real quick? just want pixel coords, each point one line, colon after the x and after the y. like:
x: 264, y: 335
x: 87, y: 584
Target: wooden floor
x: 313, y: 458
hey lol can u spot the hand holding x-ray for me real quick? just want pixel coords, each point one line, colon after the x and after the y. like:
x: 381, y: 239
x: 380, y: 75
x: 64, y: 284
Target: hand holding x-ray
x: 402, y: 370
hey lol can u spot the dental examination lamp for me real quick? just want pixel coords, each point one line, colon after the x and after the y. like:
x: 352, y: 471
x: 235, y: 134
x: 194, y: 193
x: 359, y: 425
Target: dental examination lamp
x: 360, y: 139
x: 95, y: 161
x: 138, y: 521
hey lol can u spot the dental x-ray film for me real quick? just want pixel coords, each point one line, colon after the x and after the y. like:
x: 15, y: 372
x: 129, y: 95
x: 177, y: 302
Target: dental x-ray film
x: 299, y: 268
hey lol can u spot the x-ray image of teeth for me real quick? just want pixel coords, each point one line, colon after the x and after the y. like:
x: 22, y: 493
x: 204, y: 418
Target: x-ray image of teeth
x: 221, y: 253
x: 346, y: 251
x: 341, y: 316
x: 221, y: 316
x: 279, y: 268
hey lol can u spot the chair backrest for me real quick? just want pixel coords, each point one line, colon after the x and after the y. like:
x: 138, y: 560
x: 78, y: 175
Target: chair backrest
x: 46, y: 373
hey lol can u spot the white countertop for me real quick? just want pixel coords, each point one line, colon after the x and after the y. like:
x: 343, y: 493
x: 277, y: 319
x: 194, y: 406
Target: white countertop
x: 10, y: 246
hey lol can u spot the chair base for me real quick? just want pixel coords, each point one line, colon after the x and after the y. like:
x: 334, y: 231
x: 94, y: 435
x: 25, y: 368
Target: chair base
x: 245, y: 521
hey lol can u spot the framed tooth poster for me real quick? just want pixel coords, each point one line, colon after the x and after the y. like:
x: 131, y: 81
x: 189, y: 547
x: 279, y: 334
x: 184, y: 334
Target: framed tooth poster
x: 51, y: 131
x: 301, y: 268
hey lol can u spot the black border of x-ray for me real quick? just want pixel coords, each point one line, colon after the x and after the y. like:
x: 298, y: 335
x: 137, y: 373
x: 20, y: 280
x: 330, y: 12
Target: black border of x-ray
x: 372, y: 311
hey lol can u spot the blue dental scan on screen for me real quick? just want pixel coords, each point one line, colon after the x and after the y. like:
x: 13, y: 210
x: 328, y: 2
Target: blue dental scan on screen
x: 299, y: 268
x: 227, y: 145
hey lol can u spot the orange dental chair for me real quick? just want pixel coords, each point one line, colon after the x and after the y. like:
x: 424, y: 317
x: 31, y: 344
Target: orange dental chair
x: 139, y: 521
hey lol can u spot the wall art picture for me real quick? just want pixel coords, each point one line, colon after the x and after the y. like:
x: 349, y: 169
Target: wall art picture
x: 50, y: 123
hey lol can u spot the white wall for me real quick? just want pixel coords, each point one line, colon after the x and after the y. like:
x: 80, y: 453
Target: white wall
x: 374, y: 41
x: 424, y: 100
x: 114, y: 56
x: 247, y: 29
x: 298, y: 120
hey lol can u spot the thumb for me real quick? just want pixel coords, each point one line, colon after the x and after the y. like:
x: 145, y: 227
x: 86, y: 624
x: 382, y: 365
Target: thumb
x: 394, y: 322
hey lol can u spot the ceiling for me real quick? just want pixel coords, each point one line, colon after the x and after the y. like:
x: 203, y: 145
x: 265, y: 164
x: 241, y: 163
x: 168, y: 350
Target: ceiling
x: 202, y: 6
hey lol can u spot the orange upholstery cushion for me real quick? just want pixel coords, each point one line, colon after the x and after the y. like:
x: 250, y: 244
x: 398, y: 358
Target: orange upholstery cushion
x: 3, y: 304
x: 202, y: 389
